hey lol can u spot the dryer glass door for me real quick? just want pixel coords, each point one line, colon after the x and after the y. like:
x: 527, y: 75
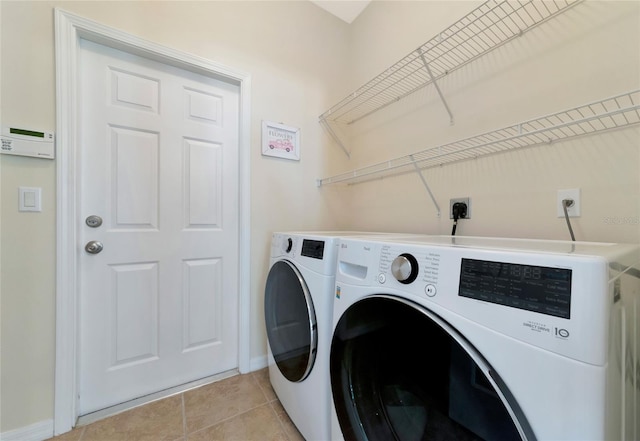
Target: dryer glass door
x: 399, y: 372
x: 291, y: 321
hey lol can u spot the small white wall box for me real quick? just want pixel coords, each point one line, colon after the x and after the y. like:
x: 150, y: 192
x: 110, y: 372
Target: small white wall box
x: 27, y: 142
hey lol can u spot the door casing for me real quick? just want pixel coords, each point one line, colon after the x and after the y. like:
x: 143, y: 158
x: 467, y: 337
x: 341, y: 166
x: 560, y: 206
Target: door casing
x: 69, y: 29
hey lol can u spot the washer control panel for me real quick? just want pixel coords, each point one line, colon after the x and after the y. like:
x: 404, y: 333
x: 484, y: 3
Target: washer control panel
x: 418, y: 267
x: 528, y: 291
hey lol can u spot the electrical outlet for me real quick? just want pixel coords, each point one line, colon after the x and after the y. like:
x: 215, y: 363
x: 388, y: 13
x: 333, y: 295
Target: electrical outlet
x: 463, y: 200
x: 573, y: 210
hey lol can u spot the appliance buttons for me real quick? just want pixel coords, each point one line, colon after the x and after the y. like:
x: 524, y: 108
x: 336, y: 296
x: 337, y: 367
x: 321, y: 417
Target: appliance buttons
x: 430, y: 290
x: 382, y: 278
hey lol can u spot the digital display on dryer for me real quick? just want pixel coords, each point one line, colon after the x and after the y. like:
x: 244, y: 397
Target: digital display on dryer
x: 313, y: 248
x: 533, y: 288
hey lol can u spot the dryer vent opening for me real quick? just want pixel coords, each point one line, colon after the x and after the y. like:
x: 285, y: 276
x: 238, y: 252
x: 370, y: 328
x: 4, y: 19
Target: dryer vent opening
x: 398, y: 374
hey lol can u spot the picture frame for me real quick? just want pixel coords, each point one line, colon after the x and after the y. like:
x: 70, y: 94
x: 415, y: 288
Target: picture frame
x: 280, y: 141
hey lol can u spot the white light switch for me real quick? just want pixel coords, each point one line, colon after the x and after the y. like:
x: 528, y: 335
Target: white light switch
x: 30, y: 199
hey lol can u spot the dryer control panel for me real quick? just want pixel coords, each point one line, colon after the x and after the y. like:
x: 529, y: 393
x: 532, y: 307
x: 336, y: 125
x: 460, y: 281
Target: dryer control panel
x: 314, y: 252
x: 312, y: 248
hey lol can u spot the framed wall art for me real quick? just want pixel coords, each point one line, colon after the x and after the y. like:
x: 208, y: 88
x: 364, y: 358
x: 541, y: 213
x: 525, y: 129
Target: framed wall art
x: 280, y: 141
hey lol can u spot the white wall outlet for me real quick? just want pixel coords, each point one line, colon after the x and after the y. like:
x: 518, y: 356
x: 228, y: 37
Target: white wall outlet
x: 573, y: 210
x: 466, y: 201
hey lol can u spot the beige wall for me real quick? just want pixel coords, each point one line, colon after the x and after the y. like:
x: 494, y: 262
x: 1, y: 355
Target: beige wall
x: 296, y: 54
x: 588, y: 53
x: 302, y: 61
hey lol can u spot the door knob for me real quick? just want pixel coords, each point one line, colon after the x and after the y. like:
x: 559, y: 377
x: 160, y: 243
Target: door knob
x: 93, y: 247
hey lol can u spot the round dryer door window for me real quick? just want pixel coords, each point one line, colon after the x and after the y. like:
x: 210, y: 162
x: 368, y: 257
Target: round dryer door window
x: 291, y: 321
x: 399, y: 372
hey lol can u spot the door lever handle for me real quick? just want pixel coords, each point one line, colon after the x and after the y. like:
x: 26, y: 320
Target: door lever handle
x: 93, y: 247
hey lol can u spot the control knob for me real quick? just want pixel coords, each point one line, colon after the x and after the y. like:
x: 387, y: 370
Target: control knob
x: 287, y: 245
x: 405, y: 268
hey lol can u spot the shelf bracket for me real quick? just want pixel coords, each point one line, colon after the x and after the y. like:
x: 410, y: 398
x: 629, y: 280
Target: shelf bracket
x: 426, y: 186
x: 334, y: 136
x: 435, y: 83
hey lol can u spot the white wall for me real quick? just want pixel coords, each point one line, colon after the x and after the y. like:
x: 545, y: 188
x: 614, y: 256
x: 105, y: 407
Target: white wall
x: 296, y: 54
x: 590, y: 52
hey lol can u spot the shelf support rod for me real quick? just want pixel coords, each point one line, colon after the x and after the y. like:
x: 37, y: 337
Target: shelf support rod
x: 435, y: 83
x: 424, y: 182
x: 335, y: 137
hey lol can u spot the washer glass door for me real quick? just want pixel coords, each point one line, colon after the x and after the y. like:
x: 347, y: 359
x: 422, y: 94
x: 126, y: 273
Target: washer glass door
x: 291, y: 321
x: 399, y: 372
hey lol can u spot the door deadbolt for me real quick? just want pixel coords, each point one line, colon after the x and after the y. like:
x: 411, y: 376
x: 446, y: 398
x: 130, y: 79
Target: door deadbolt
x: 94, y: 221
x: 93, y: 247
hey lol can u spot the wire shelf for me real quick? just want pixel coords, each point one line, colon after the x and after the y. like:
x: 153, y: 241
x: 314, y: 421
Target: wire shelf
x: 487, y: 27
x: 608, y: 114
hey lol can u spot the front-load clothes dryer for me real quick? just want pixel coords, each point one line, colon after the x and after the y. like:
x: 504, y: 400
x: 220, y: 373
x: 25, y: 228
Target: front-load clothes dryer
x: 459, y: 338
x: 298, y: 308
x: 298, y: 296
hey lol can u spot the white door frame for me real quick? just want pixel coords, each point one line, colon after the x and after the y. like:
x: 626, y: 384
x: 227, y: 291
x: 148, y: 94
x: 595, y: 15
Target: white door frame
x: 69, y: 29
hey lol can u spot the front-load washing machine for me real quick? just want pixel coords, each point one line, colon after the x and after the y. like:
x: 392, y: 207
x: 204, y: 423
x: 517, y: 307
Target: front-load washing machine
x: 298, y: 307
x: 460, y: 338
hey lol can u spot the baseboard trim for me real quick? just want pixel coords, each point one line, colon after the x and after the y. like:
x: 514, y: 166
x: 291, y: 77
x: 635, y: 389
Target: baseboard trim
x: 258, y: 363
x: 34, y: 432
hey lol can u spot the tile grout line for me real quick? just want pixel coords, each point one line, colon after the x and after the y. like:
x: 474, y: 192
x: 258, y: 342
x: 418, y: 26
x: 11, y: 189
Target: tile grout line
x: 264, y: 392
x: 82, y: 432
x: 264, y: 396
x: 266, y: 403
x: 184, y: 417
x: 282, y: 426
x: 256, y: 381
x: 270, y: 403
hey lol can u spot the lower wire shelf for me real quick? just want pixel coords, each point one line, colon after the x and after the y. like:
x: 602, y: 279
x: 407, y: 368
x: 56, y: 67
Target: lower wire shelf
x: 608, y: 114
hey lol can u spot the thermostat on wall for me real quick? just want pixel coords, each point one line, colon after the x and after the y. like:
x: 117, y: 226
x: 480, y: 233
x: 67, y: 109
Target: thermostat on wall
x: 26, y: 142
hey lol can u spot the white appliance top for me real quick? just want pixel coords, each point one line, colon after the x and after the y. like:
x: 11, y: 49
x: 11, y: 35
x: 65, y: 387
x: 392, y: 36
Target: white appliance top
x: 513, y: 244
x: 345, y: 233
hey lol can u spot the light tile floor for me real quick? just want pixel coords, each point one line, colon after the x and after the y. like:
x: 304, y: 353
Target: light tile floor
x: 240, y: 408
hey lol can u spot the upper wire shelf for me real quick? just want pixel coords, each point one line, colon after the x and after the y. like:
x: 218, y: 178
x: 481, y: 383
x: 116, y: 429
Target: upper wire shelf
x: 484, y: 29
x: 608, y: 114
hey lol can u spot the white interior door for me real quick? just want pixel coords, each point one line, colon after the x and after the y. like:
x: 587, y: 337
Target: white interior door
x: 159, y: 165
